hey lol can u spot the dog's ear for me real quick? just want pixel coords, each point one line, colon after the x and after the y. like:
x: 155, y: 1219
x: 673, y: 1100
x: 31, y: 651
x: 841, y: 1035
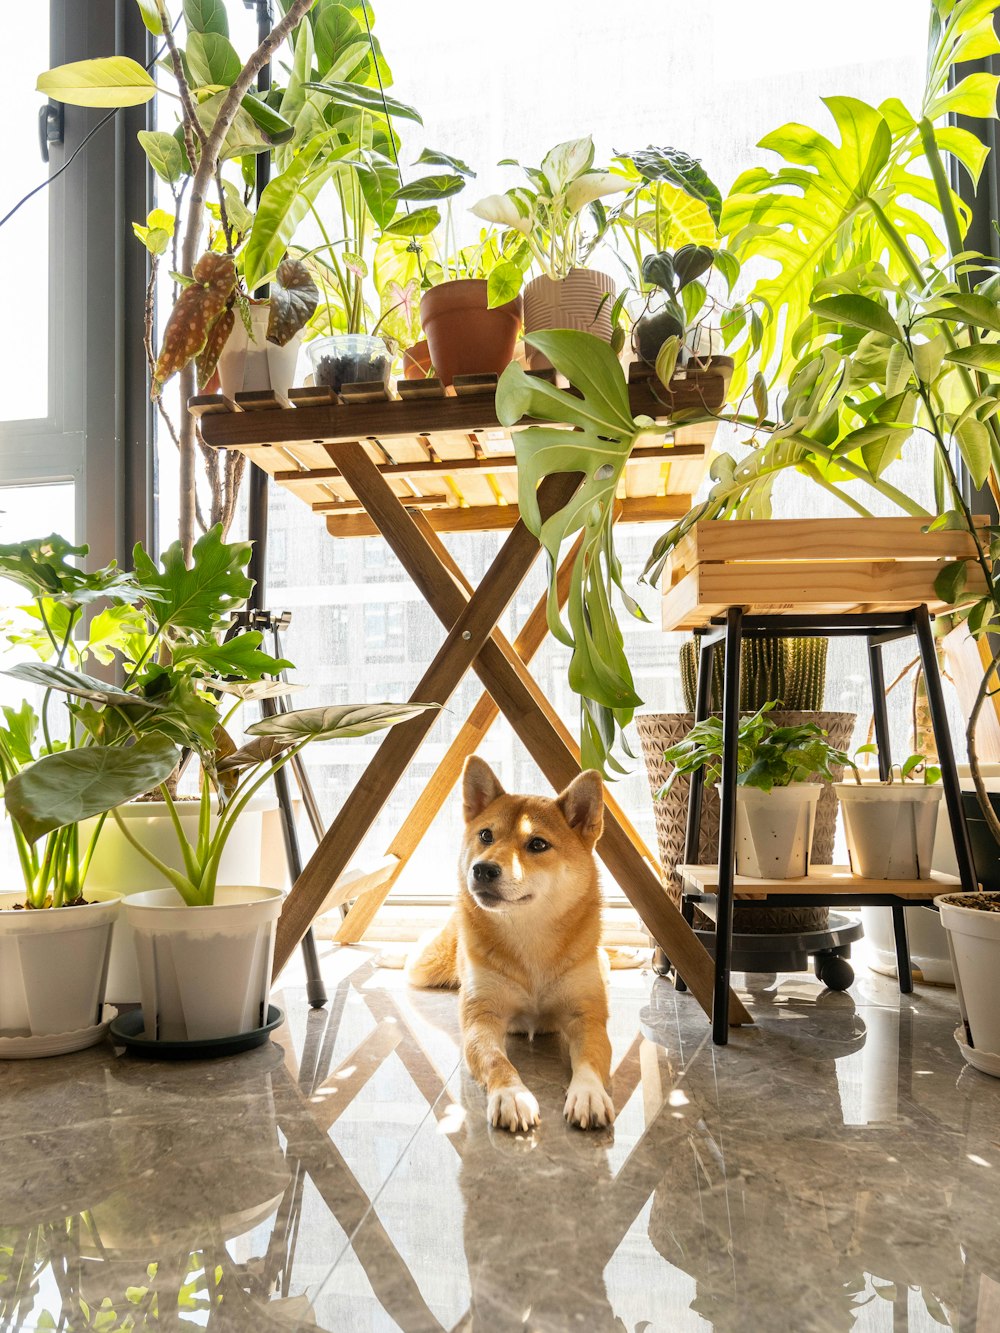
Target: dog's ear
x: 480, y: 787
x: 582, y: 804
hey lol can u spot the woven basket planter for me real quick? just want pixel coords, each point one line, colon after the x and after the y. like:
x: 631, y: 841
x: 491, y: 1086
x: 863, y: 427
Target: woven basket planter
x: 657, y: 732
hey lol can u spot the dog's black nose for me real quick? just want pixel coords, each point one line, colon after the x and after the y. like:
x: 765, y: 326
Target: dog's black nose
x: 485, y: 871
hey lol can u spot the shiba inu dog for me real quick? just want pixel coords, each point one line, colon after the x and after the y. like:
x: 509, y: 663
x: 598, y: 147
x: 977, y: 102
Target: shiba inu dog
x: 522, y: 943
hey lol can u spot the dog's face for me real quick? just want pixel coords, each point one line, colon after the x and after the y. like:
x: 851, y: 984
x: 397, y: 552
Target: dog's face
x: 525, y: 850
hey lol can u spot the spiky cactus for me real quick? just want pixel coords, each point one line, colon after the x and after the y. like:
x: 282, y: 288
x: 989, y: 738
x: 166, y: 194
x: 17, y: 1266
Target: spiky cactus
x: 789, y: 671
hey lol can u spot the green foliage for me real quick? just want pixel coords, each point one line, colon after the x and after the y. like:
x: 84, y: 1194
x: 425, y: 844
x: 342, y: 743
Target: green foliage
x: 768, y: 755
x: 598, y: 448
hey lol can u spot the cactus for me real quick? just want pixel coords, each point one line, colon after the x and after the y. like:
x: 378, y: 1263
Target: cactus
x: 789, y: 671
x: 806, y: 674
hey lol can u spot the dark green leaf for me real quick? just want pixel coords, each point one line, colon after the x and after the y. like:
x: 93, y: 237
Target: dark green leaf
x: 202, y: 597
x: 65, y: 788
x: 672, y: 165
x: 239, y: 656
x: 50, y: 677
x: 293, y: 299
x: 950, y: 583
x: 430, y: 188
x: 368, y: 99
x: 432, y: 158
x: 379, y: 182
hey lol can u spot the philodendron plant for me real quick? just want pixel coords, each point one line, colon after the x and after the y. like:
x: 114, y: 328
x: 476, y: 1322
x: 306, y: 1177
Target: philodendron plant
x: 167, y: 628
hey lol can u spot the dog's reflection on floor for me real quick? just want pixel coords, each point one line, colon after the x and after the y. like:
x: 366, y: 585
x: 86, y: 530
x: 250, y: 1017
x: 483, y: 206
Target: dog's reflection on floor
x: 519, y: 1190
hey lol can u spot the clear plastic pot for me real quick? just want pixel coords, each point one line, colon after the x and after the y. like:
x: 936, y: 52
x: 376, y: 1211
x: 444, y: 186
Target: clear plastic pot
x: 349, y: 358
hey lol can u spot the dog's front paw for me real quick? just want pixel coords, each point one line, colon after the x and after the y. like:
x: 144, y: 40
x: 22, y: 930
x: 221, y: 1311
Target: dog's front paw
x: 587, y: 1103
x: 513, y: 1108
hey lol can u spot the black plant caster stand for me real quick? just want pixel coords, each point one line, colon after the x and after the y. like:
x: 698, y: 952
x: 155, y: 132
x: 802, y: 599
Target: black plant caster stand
x: 878, y: 628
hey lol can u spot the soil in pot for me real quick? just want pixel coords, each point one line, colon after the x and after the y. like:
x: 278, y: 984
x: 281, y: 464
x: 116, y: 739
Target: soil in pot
x: 464, y: 336
x: 349, y: 358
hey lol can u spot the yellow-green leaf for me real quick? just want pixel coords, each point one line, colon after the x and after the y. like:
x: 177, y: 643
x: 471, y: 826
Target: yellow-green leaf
x: 107, y: 81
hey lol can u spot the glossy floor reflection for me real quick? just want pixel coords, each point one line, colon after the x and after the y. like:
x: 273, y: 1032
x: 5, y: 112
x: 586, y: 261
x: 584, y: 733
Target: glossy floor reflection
x: 834, y: 1168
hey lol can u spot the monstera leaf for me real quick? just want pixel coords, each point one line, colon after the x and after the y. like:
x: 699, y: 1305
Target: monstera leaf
x: 598, y: 447
x: 868, y: 198
x: 64, y: 788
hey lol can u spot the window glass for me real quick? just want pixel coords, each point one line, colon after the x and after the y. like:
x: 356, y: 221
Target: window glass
x: 24, y: 330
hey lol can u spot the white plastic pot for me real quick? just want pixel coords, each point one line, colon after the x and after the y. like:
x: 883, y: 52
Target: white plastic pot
x: 53, y: 967
x: 774, y: 830
x: 889, y: 829
x: 974, y: 941
x: 204, y: 972
x: 928, y: 941
x: 119, y: 868
x: 247, y: 366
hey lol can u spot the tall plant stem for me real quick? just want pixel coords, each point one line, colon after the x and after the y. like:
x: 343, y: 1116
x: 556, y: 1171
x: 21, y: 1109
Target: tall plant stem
x: 204, y: 176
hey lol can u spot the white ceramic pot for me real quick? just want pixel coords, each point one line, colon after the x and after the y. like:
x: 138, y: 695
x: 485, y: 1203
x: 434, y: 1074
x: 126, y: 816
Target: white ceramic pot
x: 774, y: 830
x: 929, y: 952
x: 118, y: 867
x: 247, y: 366
x: 204, y: 972
x: 582, y: 300
x: 53, y: 967
x: 974, y: 941
x: 889, y: 829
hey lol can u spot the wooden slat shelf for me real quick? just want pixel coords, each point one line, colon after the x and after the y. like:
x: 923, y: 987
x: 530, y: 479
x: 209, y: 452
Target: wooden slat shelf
x: 772, y: 566
x: 826, y: 881
x: 447, y: 454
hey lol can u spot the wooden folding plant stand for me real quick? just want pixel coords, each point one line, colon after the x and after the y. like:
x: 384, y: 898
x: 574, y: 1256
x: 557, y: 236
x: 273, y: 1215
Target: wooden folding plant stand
x: 873, y: 578
x: 410, y: 468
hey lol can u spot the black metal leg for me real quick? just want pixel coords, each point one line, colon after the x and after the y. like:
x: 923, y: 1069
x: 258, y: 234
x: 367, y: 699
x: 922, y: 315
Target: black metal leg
x: 946, y: 752
x: 903, y: 969
x: 727, y: 826
x: 880, y: 710
x: 696, y: 787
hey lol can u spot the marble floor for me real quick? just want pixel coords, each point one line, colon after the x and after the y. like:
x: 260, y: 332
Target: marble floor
x: 835, y: 1167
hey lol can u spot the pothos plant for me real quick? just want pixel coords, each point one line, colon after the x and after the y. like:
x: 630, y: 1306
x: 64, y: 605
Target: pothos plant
x: 185, y: 675
x: 555, y: 211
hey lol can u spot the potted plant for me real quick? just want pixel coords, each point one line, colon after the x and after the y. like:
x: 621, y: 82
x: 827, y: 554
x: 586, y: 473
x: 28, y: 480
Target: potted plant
x: 55, y: 934
x: 677, y: 278
x: 262, y: 349
x: 890, y: 826
x: 549, y: 213
x: 776, y: 794
x: 167, y: 630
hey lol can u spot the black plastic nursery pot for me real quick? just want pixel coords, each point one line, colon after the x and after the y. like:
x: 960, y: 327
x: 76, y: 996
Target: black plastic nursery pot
x: 985, y: 852
x: 652, y: 331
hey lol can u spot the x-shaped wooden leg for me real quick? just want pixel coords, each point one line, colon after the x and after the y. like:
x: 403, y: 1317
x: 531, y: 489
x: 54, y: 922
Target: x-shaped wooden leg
x: 472, y: 640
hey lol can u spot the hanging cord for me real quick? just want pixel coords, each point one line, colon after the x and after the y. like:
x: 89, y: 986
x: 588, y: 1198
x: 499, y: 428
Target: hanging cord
x: 80, y: 146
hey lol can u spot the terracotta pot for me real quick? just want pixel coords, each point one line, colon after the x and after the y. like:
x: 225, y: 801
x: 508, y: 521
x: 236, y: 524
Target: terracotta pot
x: 417, y: 362
x: 573, y: 302
x: 465, y: 337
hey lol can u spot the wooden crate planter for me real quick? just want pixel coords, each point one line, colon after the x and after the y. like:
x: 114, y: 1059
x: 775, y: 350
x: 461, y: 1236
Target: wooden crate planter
x: 768, y: 566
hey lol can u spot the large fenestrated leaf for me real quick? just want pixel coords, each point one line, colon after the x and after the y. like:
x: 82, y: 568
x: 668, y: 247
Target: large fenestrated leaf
x: 43, y: 567
x: 78, y: 683
x: 327, y: 724
x: 109, y: 81
x: 597, y: 449
x: 64, y: 788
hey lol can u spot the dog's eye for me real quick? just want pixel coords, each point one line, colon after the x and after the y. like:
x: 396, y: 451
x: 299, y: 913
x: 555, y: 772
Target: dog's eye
x: 485, y: 836
x: 538, y: 845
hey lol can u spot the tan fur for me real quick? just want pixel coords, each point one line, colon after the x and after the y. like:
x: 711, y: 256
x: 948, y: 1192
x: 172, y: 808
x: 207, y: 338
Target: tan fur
x: 523, y: 945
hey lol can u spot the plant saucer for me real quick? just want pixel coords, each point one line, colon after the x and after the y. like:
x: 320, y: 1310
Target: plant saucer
x: 985, y: 1061
x: 57, y: 1043
x: 128, y: 1031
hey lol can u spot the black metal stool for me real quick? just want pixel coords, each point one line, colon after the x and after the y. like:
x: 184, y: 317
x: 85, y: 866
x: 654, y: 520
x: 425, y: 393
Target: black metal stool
x: 878, y: 628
